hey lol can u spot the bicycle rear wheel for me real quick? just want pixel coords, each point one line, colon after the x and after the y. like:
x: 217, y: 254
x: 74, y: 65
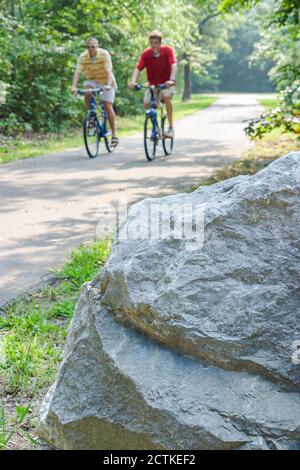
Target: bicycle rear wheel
x: 91, y: 135
x: 167, y: 142
x: 150, y: 138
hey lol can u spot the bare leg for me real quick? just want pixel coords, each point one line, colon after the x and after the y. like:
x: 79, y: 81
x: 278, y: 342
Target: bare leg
x: 88, y: 99
x: 111, y: 117
x: 169, y: 108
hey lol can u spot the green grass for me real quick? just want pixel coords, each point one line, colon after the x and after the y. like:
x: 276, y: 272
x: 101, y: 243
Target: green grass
x: 32, y: 336
x: 269, y: 103
x: 13, y: 425
x: 196, y: 103
x: 21, y: 147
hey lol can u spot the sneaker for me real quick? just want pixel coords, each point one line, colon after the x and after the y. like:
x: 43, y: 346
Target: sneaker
x: 170, y: 133
x: 114, y: 141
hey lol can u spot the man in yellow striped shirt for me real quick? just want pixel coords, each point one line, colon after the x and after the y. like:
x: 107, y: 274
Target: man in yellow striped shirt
x: 96, y: 66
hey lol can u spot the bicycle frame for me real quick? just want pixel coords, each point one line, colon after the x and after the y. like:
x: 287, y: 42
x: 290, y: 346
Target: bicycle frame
x: 101, y: 127
x: 157, y: 131
x: 152, y: 111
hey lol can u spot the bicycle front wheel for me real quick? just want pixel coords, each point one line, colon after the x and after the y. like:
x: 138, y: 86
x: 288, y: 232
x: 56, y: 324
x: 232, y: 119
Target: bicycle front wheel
x: 150, y: 138
x: 167, y: 141
x: 91, y: 135
x: 107, y: 137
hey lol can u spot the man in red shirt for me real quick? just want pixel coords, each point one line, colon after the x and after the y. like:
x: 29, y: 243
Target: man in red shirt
x: 161, y: 67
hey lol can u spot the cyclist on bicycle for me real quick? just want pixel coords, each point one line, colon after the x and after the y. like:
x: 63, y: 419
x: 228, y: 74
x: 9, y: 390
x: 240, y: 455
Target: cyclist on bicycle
x: 161, y: 67
x: 96, y: 65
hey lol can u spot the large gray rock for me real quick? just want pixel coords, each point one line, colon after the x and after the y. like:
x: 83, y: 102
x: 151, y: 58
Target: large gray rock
x: 117, y: 389
x: 235, y: 302
x: 225, y: 316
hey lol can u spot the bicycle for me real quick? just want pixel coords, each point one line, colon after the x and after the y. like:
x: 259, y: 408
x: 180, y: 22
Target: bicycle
x: 94, y: 127
x: 153, y: 133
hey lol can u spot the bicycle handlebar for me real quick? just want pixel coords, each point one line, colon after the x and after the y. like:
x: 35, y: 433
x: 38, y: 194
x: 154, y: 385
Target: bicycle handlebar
x: 151, y: 87
x: 92, y: 90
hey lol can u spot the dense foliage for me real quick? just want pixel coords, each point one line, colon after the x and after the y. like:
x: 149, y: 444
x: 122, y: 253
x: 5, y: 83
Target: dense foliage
x: 280, y: 43
x: 40, y: 41
x: 238, y: 72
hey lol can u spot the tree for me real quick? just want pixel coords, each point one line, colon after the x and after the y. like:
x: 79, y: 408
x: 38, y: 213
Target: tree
x: 280, y: 42
x: 41, y: 42
x: 239, y: 72
x: 210, y: 38
x: 42, y: 39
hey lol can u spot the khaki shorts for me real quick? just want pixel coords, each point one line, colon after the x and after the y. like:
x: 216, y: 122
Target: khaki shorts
x: 107, y: 95
x: 159, y: 94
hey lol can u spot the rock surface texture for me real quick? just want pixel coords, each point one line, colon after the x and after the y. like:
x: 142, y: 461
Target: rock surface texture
x: 175, y: 345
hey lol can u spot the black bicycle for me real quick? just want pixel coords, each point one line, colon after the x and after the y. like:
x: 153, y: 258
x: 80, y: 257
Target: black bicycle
x: 153, y: 132
x: 95, y: 127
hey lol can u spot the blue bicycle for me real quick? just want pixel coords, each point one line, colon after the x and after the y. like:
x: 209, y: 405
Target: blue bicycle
x: 153, y: 132
x: 95, y: 127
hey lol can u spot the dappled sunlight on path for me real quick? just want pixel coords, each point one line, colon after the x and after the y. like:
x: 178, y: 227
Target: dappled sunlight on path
x: 49, y: 204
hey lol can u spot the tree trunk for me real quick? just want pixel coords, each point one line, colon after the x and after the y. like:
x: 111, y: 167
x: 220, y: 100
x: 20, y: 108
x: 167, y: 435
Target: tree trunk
x: 187, y: 89
x: 13, y: 12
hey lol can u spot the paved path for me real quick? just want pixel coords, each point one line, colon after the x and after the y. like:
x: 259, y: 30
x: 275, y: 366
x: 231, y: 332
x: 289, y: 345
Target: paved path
x: 49, y: 204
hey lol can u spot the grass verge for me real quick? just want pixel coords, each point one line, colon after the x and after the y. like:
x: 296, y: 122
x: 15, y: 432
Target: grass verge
x: 272, y: 146
x: 269, y: 103
x: 32, y: 337
x: 20, y: 148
